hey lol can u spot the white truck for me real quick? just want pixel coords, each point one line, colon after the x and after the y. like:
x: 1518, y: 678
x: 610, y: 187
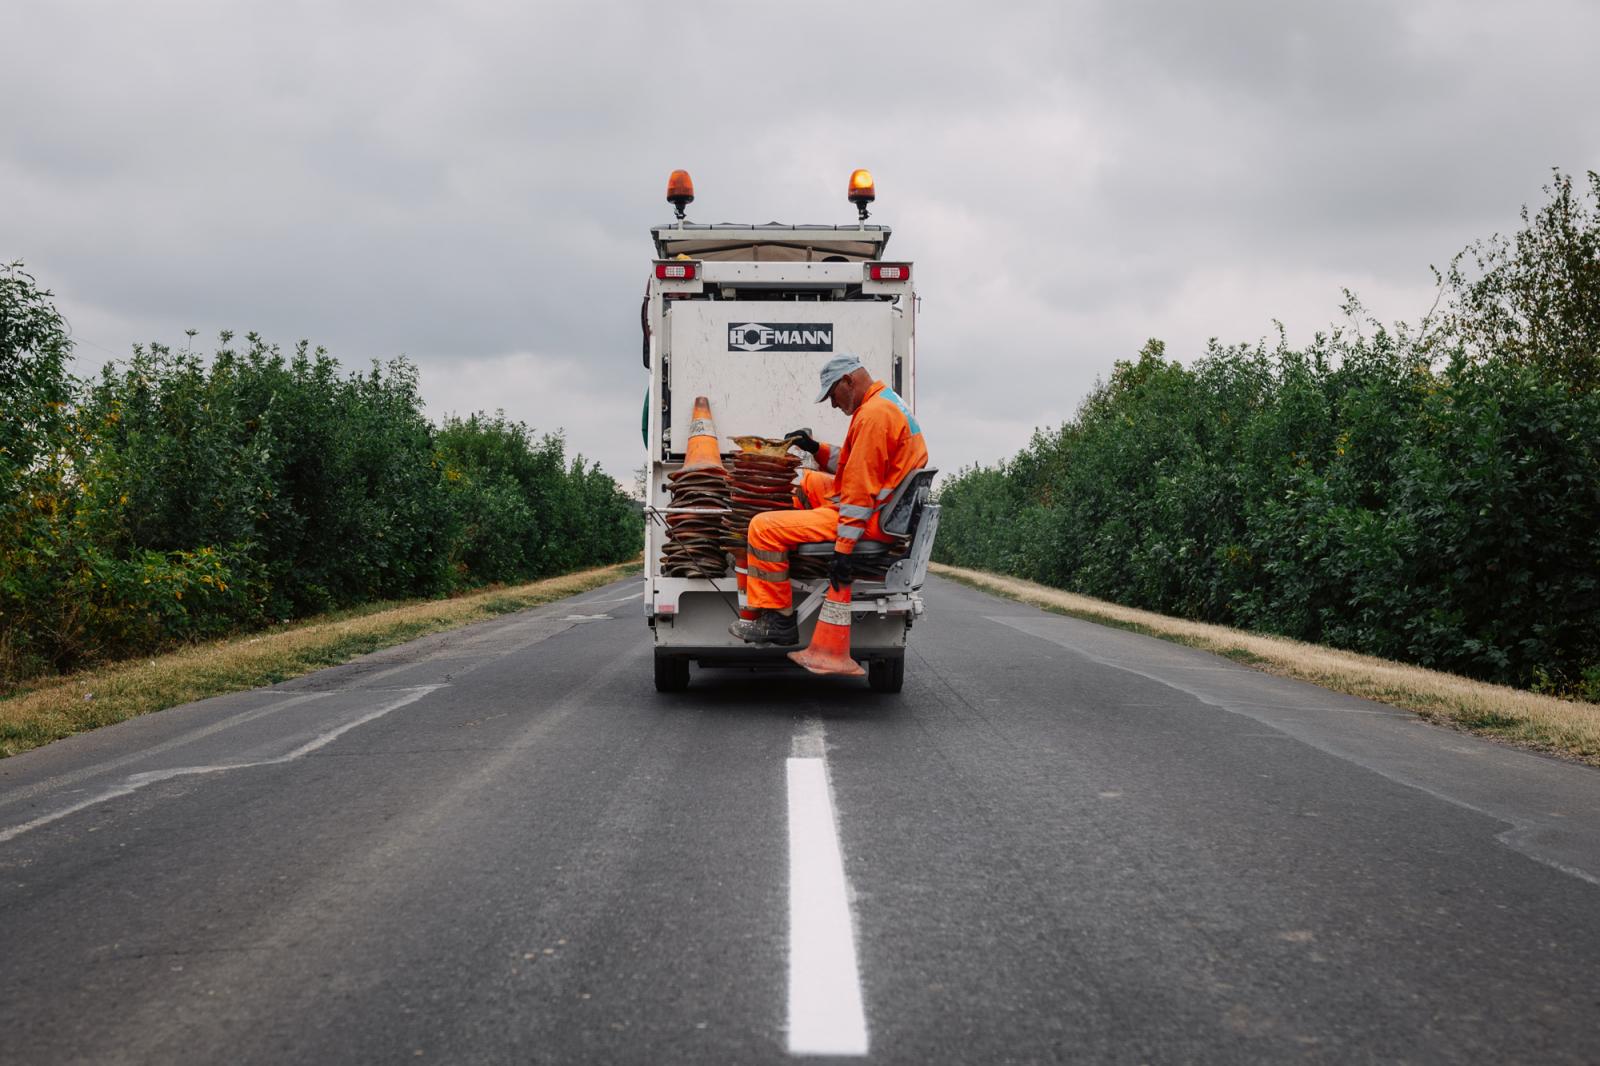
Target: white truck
x: 746, y: 315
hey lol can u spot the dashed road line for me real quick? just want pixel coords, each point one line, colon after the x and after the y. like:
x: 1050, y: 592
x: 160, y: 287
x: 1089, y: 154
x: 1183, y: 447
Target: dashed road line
x: 826, y: 1015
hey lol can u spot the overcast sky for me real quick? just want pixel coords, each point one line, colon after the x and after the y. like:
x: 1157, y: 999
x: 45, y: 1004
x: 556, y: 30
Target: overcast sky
x: 472, y: 184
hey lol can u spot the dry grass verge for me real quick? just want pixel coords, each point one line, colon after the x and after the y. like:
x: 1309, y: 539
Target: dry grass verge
x: 1543, y: 723
x: 40, y: 713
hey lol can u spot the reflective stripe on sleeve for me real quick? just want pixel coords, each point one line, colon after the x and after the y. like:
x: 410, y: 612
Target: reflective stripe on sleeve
x: 850, y: 532
x: 851, y: 510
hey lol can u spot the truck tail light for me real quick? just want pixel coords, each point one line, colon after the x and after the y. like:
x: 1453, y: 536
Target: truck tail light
x: 676, y: 271
x: 889, y: 271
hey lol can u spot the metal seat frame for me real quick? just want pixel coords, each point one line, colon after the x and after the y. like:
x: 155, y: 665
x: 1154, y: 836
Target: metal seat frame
x: 908, y: 512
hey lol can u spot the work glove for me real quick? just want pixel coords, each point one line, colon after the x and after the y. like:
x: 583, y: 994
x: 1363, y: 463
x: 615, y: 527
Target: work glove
x: 802, y: 439
x: 841, y: 571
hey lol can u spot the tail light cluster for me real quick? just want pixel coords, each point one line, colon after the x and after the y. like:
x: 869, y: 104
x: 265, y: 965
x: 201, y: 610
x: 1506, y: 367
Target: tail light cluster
x: 689, y: 270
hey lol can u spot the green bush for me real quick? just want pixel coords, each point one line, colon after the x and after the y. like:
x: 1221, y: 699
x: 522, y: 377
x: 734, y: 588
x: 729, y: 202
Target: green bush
x: 327, y: 482
x: 1431, y: 495
x: 39, y: 440
x: 178, y: 497
x: 524, y: 511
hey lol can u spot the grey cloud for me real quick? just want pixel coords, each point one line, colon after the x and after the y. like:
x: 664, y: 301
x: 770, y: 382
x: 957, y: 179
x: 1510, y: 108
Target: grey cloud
x: 473, y: 184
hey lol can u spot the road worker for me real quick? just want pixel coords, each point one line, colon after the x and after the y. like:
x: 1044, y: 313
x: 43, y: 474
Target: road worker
x: 840, y: 502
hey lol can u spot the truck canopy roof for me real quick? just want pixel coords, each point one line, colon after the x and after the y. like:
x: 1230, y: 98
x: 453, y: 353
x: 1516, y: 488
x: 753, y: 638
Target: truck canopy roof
x: 771, y: 242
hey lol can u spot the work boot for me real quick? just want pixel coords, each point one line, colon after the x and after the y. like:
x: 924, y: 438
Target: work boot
x: 768, y: 627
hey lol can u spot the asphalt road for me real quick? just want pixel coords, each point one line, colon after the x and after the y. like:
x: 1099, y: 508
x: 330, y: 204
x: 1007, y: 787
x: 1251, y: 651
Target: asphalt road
x: 1061, y: 843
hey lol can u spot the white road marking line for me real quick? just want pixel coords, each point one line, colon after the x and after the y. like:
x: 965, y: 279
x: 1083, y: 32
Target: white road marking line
x: 811, y: 742
x: 59, y: 782
x: 826, y: 1016
x: 621, y: 599
x: 134, y: 782
x: 589, y: 598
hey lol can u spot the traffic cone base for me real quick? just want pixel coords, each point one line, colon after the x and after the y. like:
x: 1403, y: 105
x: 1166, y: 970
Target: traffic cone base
x: 829, y: 652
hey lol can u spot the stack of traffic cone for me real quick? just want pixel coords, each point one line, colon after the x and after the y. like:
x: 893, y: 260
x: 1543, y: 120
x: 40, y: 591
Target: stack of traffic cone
x: 760, y: 479
x: 829, y: 652
x: 693, y: 547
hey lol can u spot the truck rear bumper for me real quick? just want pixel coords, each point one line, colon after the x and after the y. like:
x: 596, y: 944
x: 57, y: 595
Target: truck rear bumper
x: 868, y: 597
x: 766, y: 654
x: 699, y: 628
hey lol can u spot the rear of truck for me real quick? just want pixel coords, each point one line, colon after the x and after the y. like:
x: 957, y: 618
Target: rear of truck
x: 746, y: 316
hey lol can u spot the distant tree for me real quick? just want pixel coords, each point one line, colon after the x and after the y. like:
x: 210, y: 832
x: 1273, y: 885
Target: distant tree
x: 1535, y: 298
x: 34, y: 385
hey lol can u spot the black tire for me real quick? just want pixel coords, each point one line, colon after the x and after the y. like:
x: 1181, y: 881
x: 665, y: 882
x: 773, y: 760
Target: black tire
x: 672, y: 672
x: 887, y: 675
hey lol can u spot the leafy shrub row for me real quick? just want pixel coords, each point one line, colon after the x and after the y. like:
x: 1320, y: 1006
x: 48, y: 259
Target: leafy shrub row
x: 1430, y: 495
x: 175, y: 497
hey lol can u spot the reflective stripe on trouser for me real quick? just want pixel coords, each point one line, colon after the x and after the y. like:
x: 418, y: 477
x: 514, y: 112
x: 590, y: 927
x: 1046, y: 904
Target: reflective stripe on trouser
x: 774, y: 533
x: 761, y: 573
x: 816, y: 489
x: 765, y: 565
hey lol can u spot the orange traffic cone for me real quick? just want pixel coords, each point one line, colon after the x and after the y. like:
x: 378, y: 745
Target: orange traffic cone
x: 830, y: 643
x: 702, y: 453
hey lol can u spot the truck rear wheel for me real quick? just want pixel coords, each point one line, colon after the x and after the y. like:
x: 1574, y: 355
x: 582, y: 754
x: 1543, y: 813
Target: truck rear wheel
x: 672, y: 672
x: 887, y: 675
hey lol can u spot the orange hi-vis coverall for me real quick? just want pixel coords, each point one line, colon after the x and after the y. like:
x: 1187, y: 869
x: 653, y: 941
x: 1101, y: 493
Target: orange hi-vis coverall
x: 883, y: 446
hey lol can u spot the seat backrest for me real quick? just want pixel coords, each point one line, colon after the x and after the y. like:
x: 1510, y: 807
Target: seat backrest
x: 901, y: 511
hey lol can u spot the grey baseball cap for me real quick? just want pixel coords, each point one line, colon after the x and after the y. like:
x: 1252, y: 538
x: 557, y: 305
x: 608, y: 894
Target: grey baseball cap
x: 833, y: 370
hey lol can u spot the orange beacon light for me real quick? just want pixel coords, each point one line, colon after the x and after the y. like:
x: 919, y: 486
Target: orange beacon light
x: 680, y: 190
x: 862, y: 192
